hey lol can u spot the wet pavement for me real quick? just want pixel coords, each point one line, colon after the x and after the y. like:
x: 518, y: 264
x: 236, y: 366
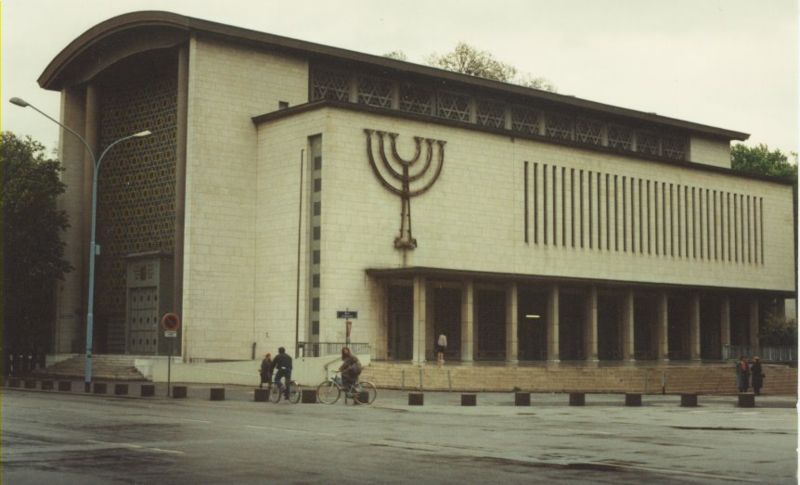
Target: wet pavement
x: 65, y: 438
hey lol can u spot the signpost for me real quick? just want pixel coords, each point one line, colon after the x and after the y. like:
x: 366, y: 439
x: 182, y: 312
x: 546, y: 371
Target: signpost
x: 170, y: 322
x: 348, y: 315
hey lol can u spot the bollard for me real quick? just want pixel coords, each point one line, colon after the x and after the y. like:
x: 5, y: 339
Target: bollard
x: 308, y: 396
x: 747, y: 400
x: 13, y: 382
x: 178, y: 392
x: 633, y: 399
x: 64, y: 385
x: 261, y: 395
x: 522, y: 399
x: 415, y: 399
x: 363, y: 397
x: 99, y: 388
x: 689, y: 400
x: 147, y: 390
x: 577, y: 399
x: 217, y: 394
x: 120, y: 389
x: 29, y: 384
x: 469, y: 399
x: 47, y: 385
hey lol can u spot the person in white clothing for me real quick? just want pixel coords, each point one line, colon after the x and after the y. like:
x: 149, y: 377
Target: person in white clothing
x: 441, y: 347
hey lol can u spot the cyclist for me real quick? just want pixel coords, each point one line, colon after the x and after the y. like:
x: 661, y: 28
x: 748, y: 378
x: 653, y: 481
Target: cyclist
x: 350, y: 369
x: 283, y: 364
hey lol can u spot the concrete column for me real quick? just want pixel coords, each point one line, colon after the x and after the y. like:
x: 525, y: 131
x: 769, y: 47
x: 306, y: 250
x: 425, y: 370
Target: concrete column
x: 430, y: 336
x: 180, y: 182
x: 512, y: 323
x: 419, y: 325
x: 70, y: 297
x: 552, y: 325
x: 753, y: 326
x: 92, y: 137
x: 662, y: 328
x: 590, y: 326
x: 694, y: 327
x: 725, y: 324
x: 628, y: 350
x: 467, y: 321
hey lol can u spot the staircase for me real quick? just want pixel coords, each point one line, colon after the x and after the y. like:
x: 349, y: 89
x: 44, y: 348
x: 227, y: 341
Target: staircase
x: 649, y: 379
x: 104, y: 367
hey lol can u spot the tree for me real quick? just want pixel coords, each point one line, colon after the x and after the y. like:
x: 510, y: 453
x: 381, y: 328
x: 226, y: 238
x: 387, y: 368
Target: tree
x: 397, y: 55
x: 32, y: 248
x: 467, y: 59
x: 760, y: 160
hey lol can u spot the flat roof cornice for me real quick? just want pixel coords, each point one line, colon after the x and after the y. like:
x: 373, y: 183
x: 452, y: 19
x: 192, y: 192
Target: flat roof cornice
x: 393, y: 113
x: 53, y: 75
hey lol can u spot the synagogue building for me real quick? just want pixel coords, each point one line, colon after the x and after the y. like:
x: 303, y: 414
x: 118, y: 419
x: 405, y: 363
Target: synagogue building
x: 289, y: 185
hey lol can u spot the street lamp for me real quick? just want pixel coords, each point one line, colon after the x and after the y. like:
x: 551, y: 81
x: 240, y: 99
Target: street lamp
x: 93, y: 248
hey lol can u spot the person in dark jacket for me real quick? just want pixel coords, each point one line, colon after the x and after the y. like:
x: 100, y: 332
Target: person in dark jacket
x: 742, y: 374
x: 757, y: 376
x: 350, y: 368
x: 266, y: 370
x: 283, y: 364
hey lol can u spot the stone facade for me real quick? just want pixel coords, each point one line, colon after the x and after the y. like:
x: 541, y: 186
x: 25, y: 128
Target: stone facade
x: 623, y: 233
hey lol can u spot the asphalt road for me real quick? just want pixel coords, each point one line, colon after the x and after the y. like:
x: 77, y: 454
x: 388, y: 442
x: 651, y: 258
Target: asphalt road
x: 63, y: 438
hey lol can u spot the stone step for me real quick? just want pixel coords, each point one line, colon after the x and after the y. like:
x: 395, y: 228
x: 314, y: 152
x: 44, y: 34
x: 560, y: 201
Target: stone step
x: 103, y: 367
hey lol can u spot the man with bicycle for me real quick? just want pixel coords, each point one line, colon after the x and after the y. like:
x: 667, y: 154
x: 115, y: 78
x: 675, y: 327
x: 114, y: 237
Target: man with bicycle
x: 283, y: 364
x: 350, y: 369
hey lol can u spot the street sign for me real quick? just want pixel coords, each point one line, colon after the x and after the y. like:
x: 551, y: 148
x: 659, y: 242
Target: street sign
x: 170, y: 322
x: 347, y: 314
x: 170, y: 333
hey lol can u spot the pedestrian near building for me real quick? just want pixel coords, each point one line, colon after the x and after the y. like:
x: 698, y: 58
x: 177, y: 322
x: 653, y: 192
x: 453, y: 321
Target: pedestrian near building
x: 757, y: 376
x: 742, y: 375
x: 266, y: 370
x: 441, y: 348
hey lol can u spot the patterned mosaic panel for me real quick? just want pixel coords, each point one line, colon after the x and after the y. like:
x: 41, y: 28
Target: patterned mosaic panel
x: 491, y: 113
x: 136, y: 186
x: 453, y: 106
x: 374, y: 91
x: 674, y: 147
x: 525, y: 120
x: 330, y: 84
x: 620, y: 137
x: 558, y: 126
x: 588, y: 131
x: 646, y: 142
x: 416, y: 100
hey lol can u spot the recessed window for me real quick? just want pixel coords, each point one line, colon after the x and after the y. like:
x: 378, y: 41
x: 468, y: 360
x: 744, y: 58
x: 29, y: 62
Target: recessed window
x: 283, y: 104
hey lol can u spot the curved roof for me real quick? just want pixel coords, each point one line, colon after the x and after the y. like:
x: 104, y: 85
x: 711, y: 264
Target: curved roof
x: 127, y: 34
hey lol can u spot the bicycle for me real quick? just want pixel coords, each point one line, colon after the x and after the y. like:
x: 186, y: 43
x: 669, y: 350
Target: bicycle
x: 330, y: 390
x: 276, y: 392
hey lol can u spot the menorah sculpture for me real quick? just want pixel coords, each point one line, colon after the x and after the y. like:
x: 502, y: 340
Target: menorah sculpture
x: 404, y: 241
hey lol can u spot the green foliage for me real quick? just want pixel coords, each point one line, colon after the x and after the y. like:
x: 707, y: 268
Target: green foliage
x: 775, y: 328
x: 32, y: 247
x: 761, y: 161
x: 467, y: 59
x: 398, y: 55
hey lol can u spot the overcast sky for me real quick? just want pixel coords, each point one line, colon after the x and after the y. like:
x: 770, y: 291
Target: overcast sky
x: 726, y: 63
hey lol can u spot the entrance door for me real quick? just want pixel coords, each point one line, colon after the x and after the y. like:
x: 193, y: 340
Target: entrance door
x: 143, y: 318
x: 401, y: 330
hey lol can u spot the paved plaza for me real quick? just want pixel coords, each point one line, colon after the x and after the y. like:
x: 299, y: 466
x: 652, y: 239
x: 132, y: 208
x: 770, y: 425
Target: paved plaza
x: 65, y: 438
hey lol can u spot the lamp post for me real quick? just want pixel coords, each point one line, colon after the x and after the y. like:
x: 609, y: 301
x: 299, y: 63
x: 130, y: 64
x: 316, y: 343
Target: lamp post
x: 93, y: 248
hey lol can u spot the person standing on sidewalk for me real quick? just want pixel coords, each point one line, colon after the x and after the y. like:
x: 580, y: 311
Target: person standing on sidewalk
x: 742, y: 374
x: 757, y: 376
x: 266, y: 370
x: 441, y: 347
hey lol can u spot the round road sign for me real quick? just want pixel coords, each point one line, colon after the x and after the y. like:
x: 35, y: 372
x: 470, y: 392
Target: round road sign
x: 170, y: 322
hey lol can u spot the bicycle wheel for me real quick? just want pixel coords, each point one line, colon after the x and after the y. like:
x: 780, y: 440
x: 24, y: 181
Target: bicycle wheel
x: 366, y: 393
x: 328, y: 392
x: 294, y: 393
x: 275, y: 392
